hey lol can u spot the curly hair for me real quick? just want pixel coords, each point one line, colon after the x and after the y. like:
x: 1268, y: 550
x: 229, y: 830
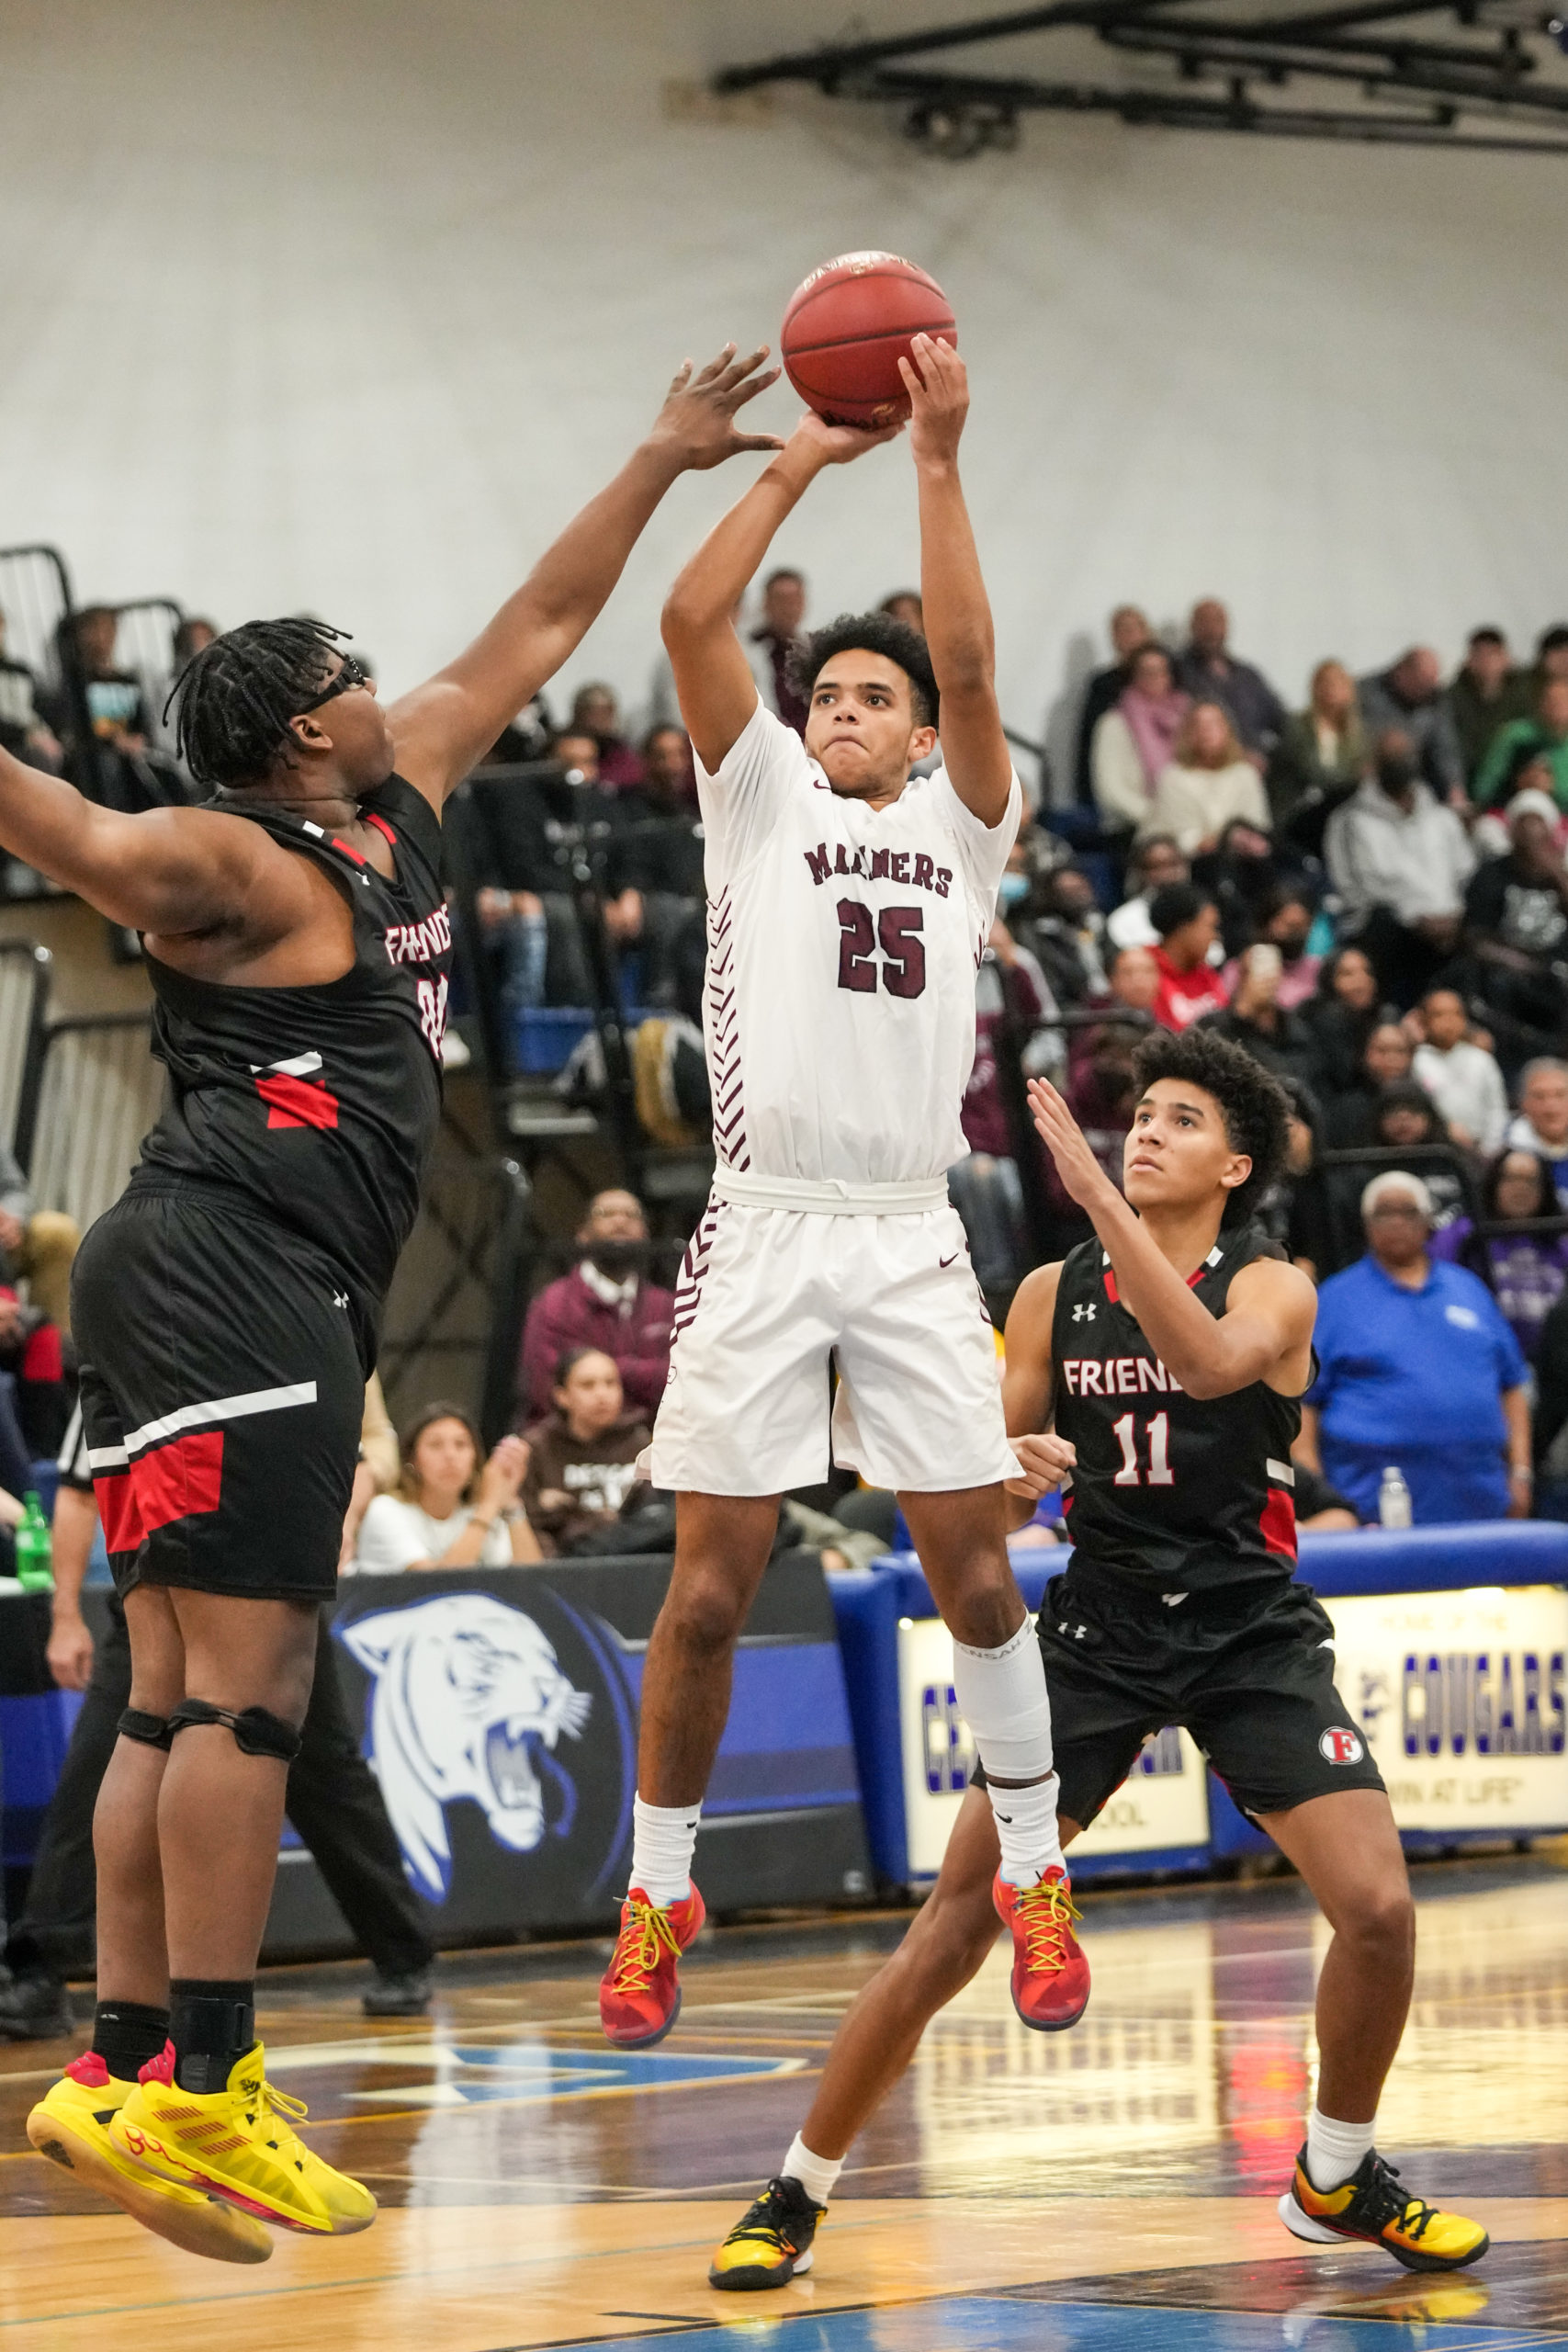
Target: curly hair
x: 877, y: 633
x: 1254, y: 1106
x: 234, y: 699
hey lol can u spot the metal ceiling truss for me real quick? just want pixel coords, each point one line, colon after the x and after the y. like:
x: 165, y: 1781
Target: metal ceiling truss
x: 1484, y: 92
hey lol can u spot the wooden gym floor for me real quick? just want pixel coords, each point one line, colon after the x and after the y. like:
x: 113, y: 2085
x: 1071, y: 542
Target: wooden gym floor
x: 1111, y: 2189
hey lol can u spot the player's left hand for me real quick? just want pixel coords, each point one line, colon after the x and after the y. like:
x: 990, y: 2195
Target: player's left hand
x: 1083, y: 1179
x: 698, y: 420
x: 1043, y: 1463
x: 938, y: 386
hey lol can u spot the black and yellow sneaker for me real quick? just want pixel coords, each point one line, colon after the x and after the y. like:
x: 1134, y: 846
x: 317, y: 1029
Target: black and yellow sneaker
x: 771, y: 2244
x: 1375, y: 2208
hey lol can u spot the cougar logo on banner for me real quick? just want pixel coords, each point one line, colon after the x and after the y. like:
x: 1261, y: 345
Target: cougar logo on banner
x: 470, y: 1701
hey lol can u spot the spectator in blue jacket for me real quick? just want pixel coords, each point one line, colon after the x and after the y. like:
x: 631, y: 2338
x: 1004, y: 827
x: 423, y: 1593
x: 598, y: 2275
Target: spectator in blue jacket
x: 1417, y: 1368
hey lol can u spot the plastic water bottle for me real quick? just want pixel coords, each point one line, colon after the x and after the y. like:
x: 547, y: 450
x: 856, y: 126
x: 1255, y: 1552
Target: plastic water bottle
x: 1394, y: 1498
x: 35, y: 1549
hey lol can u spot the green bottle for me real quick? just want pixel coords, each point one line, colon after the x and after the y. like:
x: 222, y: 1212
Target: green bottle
x: 35, y: 1550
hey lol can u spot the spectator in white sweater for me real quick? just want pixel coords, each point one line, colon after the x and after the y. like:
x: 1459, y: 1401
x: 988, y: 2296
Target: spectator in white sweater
x: 1462, y: 1078
x: 1209, y: 785
x: 1136, y: 740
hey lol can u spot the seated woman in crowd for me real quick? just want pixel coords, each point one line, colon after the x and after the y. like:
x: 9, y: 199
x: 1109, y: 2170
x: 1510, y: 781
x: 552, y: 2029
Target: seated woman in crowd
x: 1352, y: 1111
x: 1210, y: 784
x: 582, y: 1455
x: 1418, y: 1370
x: 1342, y: 1014
x: 1135, y: 741
x: 1320, y: 756
x: 448, y: 1511
x: 1527, y: 1270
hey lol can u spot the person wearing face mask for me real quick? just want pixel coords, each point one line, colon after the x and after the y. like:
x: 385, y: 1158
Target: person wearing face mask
x: 606, y: 1303
x: 1399, y: 860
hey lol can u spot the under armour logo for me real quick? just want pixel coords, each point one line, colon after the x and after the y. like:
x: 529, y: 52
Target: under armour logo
x: 1082, y: 1313
x: 340, y: 1298
x: 1074, y: 1632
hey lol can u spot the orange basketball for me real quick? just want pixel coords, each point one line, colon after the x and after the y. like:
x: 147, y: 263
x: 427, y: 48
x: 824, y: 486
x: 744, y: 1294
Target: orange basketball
x: 846, y: 328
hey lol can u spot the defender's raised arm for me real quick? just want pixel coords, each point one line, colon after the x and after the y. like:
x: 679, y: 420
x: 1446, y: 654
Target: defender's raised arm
x: 442, y: 728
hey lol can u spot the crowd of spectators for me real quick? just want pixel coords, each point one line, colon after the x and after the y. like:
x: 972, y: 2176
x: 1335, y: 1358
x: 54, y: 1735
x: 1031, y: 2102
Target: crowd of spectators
x: 1368, y: 893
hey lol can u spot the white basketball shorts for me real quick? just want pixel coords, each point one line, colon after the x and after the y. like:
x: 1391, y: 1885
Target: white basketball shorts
x: 770, y: 1299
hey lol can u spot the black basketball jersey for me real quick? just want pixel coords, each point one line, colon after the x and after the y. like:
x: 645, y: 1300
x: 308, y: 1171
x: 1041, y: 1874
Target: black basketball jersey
x: 1182, y: 1493
x: 320, y: 1103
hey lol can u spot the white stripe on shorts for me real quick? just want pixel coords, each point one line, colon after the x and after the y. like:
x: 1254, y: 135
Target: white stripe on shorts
x: 217, y: 1408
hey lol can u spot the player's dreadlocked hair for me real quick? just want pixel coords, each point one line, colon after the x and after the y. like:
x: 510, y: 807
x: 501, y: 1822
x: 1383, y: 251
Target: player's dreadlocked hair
x: 1254, y: 1106
x: 235, y: 699
x: 879, y: 633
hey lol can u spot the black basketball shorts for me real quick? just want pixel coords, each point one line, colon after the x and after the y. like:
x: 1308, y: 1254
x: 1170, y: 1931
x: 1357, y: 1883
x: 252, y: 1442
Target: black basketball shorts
x: 223, y: 1395
x: 1251, y: 1677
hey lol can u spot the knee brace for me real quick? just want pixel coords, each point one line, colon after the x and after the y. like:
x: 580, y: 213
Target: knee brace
x: 152, y: 1731
x: 256, y: 1733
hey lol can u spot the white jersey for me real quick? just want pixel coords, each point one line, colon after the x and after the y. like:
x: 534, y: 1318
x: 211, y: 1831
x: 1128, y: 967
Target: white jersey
x: 839, y: 1008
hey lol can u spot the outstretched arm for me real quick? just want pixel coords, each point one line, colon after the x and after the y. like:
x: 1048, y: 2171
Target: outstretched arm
x: 953, y: 594
x: 443, y: 727
x: 713, y: 677
x: 1265, y: 1330
x: 169, y: 870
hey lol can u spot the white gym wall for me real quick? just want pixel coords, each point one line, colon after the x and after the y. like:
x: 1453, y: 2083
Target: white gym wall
x: 347, y: 306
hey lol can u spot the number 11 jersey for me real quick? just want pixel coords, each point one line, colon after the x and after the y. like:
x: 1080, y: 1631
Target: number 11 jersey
x: 839, y: 1008
x: 1183, y: 1494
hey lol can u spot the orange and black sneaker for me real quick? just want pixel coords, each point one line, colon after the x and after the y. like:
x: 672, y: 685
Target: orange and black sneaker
x: 640, y: 1999
x: 1050, y: 1974
x: 770, y: 2244
x: 1375, y: 2207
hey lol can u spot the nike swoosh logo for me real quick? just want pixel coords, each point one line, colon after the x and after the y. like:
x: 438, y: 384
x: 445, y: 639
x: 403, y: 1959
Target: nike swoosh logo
x: 945, y: 1261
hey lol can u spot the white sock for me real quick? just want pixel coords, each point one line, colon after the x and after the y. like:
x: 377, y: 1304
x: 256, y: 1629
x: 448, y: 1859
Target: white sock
x: 1001, y: 1696
x: 1335, y: 2150
x: 1026, y: 1829
x: 819, y: 2175
x: 664, y: 1838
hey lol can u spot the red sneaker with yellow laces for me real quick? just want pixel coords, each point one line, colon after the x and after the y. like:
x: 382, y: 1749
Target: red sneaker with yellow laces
x: 1050, y: 1974
x: 640, y: 1999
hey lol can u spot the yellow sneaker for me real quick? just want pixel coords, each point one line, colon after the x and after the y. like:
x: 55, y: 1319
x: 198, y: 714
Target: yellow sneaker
x: 240, y: 2145
x: 1375, y: 2207
x: 70, y: 2125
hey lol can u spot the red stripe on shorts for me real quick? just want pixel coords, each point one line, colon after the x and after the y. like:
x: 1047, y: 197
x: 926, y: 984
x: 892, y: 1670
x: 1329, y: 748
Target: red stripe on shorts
x: 181, y: 1480
x: 295, y: 1104
x: 1278, y: 1522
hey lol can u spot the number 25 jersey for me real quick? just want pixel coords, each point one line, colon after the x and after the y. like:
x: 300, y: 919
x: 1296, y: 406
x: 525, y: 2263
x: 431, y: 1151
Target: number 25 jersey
x: 839, y: 1007
x: 1182, y: 1493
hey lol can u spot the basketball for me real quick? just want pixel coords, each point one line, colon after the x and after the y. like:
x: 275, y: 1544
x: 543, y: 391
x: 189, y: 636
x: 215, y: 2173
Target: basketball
x: 848, y: 326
